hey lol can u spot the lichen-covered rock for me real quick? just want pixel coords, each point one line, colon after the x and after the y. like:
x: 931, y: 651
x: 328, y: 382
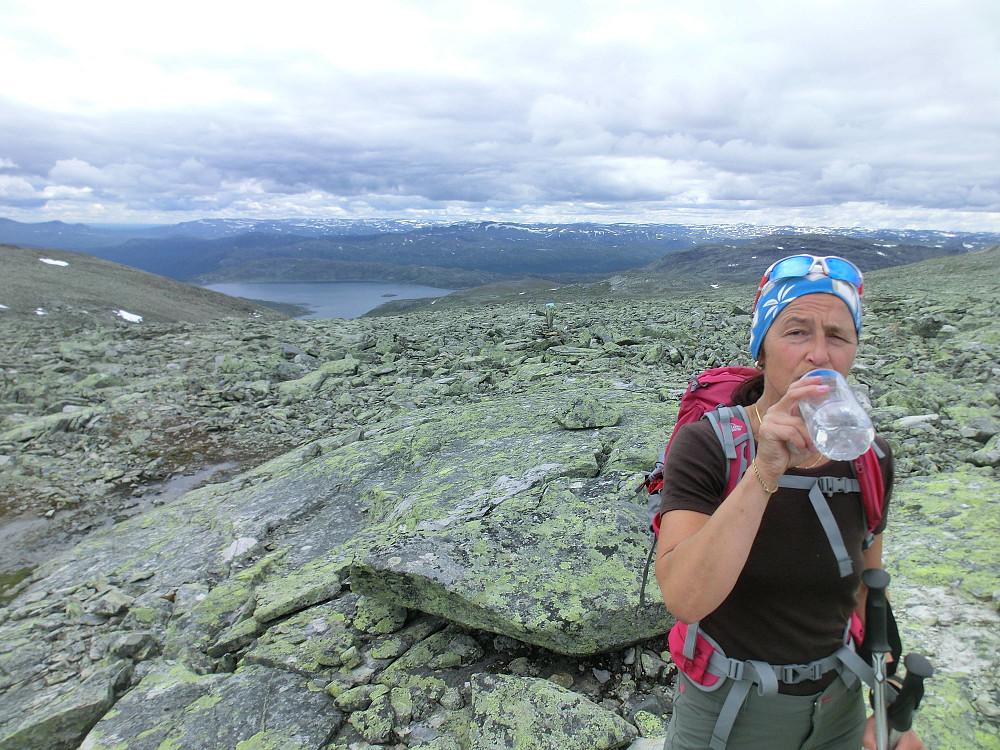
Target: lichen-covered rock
x: 310, y: 642
x: 524, y: 713
x: 941, y: 553
x: 989, y: 455
x: 586, y: 413
x: 255, y: 707
x: 59, y: 717
x: 430, y: 474
x: 525, y: 554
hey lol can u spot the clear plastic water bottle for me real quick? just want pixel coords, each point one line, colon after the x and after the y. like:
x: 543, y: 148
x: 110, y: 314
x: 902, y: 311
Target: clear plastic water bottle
x: 838, y: 425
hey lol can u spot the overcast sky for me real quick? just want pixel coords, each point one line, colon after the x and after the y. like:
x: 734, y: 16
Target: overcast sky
x: 835, y: 113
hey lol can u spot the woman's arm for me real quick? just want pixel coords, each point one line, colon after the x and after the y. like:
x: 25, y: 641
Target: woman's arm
x: 700, y: 557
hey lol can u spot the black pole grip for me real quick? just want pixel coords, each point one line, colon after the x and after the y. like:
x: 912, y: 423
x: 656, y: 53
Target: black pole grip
x: 876, y: 611
x: 900, y: 714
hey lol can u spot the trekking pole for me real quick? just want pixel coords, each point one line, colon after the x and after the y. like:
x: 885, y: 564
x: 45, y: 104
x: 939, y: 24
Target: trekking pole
x: 877, y: 643
x: 900, y: 712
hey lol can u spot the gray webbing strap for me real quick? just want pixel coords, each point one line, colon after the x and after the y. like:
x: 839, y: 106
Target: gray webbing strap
x: 746, y: 674
x: 721, y: 420
x: 856, y: 667
x: 829, y: 523
x: 690, y: 641
x: 823, y: 512
x: 748, y: 438
x: 767, y: 684
x: 727, y: 716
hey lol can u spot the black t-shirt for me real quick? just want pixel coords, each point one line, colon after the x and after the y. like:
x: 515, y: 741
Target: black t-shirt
x: 790, y: 604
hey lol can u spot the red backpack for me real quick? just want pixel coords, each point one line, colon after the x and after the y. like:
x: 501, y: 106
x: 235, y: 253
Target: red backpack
x: 710, y: 396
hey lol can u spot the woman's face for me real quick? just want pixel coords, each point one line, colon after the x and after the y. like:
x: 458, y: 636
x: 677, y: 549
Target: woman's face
x: 813, y: 331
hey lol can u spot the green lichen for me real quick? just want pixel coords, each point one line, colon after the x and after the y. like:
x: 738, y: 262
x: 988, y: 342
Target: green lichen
x: 649, y: 724
x: 957, y: 515
x: 988, y: 740
x: 268, y: 740
x: 204, y: 703
x: 228, y: 596
x: 143, y: 615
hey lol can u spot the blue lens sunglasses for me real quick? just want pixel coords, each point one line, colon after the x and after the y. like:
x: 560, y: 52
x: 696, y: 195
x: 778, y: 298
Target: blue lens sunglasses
x: 800, y: 266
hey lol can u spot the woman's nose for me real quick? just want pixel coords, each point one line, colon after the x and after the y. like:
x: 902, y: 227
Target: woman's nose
x: 819, y: 353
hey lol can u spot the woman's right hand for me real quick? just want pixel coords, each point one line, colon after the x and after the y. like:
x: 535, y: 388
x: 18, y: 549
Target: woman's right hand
x: 782, y: 439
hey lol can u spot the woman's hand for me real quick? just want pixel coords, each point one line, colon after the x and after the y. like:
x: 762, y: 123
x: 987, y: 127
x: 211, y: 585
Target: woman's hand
x: 782, y: 438
x: 907, y: 741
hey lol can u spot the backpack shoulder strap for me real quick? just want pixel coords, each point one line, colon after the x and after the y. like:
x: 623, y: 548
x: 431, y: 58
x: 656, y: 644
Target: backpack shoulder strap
x: 817, y: 488
x: 868, y: 470
x: 732, y: 427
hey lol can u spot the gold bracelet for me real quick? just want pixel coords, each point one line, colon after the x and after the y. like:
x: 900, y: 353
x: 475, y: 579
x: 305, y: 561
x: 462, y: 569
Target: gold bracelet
x: 760, y: 479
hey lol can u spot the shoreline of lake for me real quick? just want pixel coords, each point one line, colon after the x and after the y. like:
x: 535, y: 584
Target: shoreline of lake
x: 325, y: 299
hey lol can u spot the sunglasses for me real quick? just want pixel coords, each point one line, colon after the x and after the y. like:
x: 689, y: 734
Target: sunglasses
x: 800, y: 266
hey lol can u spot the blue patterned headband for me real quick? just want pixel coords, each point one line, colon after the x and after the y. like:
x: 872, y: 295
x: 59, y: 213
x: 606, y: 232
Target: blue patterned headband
x: 776, y: 295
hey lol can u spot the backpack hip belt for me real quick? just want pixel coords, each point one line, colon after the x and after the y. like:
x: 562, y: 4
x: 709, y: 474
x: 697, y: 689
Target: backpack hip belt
x: 709, y: 674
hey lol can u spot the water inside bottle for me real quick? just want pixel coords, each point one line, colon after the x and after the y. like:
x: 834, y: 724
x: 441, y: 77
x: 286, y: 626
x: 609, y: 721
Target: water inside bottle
x: 839, y: 434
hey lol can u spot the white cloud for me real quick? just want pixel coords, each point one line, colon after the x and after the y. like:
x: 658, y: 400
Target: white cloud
x: 777, y: 108
x: 76, y: 172
x: 15, y: 187
x: 841, y: 177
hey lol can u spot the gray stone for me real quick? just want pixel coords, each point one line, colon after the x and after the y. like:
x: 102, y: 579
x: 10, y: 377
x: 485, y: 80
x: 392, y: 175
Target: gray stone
x: 587, y: 413
x: 981, y: 429
x: 989, y: 455
x: 135, y: 645
x: 917, y: 420
x: 507, y: 708
x: 58, y: 718
x: 173, y: 707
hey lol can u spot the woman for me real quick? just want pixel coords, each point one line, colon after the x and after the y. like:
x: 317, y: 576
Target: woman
x: 754, y: 569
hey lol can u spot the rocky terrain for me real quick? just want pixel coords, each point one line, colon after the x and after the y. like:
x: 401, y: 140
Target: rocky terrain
x: 421, y: 530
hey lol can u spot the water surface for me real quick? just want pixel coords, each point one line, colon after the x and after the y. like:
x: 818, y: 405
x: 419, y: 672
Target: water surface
x: 330, y: 299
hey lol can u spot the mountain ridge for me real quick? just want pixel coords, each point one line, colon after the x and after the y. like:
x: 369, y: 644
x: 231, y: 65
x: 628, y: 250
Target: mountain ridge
x: 214, y: 250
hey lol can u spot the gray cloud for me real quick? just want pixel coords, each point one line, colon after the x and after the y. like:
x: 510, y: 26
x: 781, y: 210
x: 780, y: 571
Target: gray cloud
x: 784, y: 113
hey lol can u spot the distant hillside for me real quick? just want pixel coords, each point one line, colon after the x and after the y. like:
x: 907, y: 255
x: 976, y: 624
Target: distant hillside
x: 312, y: 270
x: 704, y: 269
x: 502, y: 251
x: 746, y: 262
x: 81, y: 287
x: 453, y: 254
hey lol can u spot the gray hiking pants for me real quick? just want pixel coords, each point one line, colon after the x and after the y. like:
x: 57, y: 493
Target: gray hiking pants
x: 831, y: 720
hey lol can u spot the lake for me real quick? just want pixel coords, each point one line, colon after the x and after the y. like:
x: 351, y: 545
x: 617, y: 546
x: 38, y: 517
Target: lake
x: 330, y: 299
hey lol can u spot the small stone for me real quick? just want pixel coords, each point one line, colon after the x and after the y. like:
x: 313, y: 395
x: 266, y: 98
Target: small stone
x: 917, y: 420
x: 649, y: 724
x: 985, y: 705
x: 587, y: 413
x: 351, y: 658
x: 520, y: 666
x: 562, y: 679
x: 136, y: 645
x: 113, y: 602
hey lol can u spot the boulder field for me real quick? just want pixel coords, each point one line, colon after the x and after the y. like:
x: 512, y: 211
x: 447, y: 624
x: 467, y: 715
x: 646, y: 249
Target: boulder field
x: 433, y: 537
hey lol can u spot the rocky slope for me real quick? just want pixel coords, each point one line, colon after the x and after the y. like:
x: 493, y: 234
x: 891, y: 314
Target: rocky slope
x: 75, y: 291
x: 431, y: 538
